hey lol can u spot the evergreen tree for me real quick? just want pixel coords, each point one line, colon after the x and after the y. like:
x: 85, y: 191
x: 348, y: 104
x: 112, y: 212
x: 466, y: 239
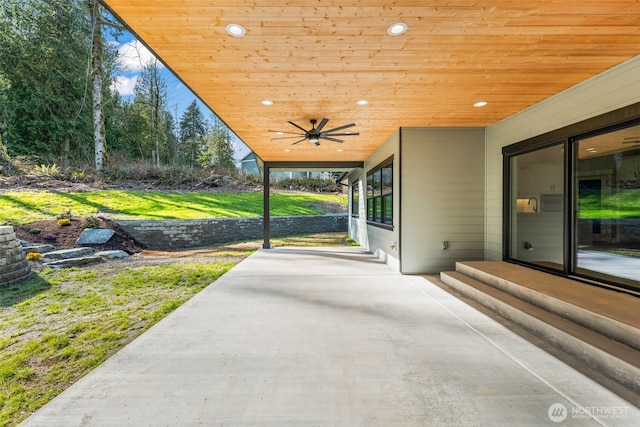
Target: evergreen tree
x: 220, y: 148
x: 44, y: 56
x: 173, y: 142
x: 193, y: 128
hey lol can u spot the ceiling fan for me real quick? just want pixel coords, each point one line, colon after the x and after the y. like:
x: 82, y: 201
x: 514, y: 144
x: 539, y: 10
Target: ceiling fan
x: 316, y: 134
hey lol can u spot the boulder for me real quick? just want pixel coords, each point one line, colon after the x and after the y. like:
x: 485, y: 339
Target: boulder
x: 94, y: 236
x: 112, y: 254
x: 41, y: 249
x: 72, y: 262
x: 67, y: 253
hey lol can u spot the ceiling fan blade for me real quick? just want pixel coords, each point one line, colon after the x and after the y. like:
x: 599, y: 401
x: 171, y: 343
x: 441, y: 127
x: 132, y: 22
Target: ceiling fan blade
x: 287, y: 137
x: 341, y: 134
x: 332, y: 139
x: 301, y: 128
x: 322, y: 124
x: 340, y: 128
x: 280, y: 131
x: 299, y: 141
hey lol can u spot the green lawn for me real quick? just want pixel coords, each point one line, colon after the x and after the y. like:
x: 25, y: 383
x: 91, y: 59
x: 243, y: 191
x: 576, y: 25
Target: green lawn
x: 60, y: 324
x: 25, y: 207
x: 623, y: 203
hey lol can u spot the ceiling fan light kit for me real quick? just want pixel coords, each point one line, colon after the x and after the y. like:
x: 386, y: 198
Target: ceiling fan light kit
x: 314, y: 135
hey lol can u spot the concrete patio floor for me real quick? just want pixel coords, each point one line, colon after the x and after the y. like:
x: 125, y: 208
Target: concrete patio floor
x: 330, y: 337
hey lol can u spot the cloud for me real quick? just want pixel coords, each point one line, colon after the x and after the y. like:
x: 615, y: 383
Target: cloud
x: 124, y: 85
x: 134, y: 55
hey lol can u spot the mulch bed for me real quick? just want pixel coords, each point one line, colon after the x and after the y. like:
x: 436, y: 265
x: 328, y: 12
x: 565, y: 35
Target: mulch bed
x: 66, y: 236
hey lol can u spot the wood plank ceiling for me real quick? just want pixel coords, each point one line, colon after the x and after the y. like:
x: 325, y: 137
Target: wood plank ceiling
x: 315, y: 59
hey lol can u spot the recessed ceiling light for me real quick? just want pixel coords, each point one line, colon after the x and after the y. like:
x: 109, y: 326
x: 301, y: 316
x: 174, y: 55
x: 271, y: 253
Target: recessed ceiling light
x: 287, y: 150
x: 236, y: 30
x: 339, y: 150
x: 266, y: 102
x: 362, y: 102
x: 480, y: 104
x: 397, y: 29
x: 279, y: 133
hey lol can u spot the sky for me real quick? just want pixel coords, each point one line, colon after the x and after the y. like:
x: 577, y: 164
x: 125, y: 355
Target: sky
x: 133, y: 55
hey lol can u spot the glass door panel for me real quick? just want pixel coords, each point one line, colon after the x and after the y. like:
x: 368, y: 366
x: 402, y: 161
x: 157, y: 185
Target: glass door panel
x: 607, y: 181
x: 536, y: 212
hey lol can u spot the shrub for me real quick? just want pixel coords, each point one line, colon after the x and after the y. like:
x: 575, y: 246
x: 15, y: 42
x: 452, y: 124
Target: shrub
x: 64, y: 222
x: 91, y: 222
x: 46, y: 170
x: 34, y: 256
x: 319, y: 185
x: 49, y: 236
x: 35, y: 231
x: 65, y: 215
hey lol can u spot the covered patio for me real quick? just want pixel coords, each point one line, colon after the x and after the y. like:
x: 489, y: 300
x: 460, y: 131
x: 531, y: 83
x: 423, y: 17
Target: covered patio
x: 331, y: 336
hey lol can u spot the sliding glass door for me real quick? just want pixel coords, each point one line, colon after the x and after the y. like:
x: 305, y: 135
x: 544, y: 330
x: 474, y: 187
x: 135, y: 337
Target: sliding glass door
x: 573, y: 207
x: 607, y: 181
x: 537, y: 214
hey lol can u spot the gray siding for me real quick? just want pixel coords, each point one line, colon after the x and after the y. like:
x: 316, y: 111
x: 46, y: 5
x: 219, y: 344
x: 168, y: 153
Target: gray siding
x: 613, y: 89
x: 442, y: 197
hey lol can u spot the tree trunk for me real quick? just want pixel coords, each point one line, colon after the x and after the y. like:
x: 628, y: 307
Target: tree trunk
x: 64, y: 156
x: 99, y: 138
x: 5, y: 160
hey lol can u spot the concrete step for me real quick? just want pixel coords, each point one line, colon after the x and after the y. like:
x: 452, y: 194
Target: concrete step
x: 610, y: 313
x: 600, y: 352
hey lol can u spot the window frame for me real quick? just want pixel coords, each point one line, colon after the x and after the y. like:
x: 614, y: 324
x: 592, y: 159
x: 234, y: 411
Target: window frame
x: 355, y: 199
x: 379, y: 195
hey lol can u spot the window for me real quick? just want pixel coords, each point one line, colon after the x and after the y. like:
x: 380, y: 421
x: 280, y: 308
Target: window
x: 355, y: 199
x: 380, y: 194
x: 572, y: 202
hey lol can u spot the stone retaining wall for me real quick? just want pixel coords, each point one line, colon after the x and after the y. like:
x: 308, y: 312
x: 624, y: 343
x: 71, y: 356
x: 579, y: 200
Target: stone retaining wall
x: 13, y: 262
x: 180, y: 234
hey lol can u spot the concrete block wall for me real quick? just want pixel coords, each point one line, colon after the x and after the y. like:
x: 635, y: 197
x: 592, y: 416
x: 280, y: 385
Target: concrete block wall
x: 180, y: 234
x: 13, y: 262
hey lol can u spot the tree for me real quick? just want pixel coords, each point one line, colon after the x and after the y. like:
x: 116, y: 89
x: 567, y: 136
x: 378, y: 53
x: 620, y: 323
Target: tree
x: 151, y: 95
x: 220, y: 148
x: 173, y: 142
x: 44, y: 56
x: 99, y: 132
x: 5, y: 160
x: 193, y: 128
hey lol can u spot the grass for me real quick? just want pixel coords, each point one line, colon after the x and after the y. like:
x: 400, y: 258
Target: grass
x: 623, y: 203
x: 29, y: 206
x: 60, y: 324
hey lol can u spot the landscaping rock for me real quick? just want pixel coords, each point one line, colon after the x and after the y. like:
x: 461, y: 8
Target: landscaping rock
x: 112, y: 254
x: 72, y: 262
x: 94, y: 236
x: 41, y: 249
x: 68, y: 253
